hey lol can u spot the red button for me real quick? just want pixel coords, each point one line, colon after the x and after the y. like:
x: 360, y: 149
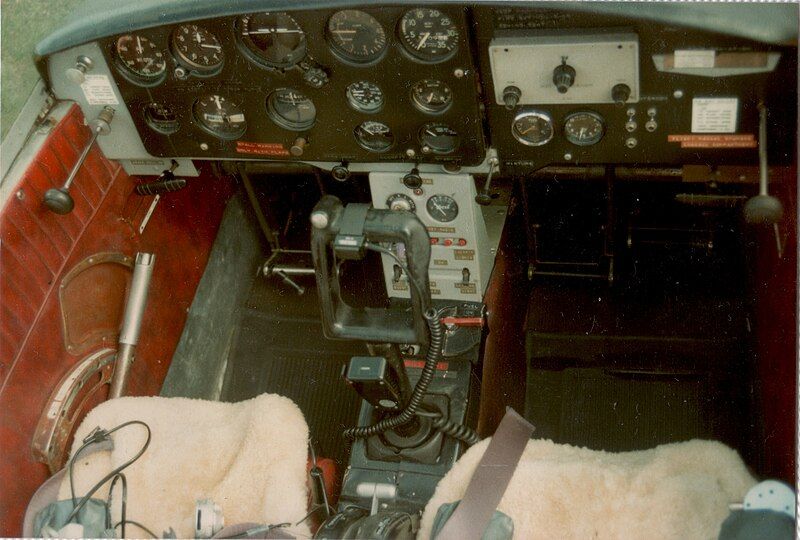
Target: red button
x: 462, y: 242
x: 448, y: 242
x: 434, y: 241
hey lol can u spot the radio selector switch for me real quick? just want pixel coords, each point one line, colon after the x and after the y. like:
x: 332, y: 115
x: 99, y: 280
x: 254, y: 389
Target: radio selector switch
x: 511, y: 95
x: 620, y: 93
x: 564, y: 77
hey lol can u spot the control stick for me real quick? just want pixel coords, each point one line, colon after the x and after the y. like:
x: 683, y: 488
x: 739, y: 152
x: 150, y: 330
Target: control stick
x: 59, y: 200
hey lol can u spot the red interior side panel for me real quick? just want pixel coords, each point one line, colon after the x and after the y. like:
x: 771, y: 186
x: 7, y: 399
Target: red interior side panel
x: 39, y: 248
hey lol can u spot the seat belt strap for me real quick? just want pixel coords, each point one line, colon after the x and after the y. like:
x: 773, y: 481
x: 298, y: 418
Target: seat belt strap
x: 490, y: 480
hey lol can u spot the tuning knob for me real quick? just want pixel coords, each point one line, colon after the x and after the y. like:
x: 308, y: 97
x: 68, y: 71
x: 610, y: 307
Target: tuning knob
x: 620, y: 93
x: 563, y: 77
x: 511, y: 95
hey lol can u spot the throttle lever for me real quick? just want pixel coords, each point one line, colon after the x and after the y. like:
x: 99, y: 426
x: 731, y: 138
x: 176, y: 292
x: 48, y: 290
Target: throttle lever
x: 484, y: 198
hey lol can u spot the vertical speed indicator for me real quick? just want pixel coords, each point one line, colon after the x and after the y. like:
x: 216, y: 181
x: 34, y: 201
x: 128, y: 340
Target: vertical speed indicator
x: 356, y: 36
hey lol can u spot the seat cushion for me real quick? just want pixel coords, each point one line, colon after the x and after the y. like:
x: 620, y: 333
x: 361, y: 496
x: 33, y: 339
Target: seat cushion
x: 679, y: 491
x: 248, y: 457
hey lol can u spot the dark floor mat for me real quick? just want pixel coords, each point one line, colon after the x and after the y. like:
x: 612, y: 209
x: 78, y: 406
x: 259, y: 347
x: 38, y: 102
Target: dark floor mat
x: 632, y: 412
x: 280, y: 349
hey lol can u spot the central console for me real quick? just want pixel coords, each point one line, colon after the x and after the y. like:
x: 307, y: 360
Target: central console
x: 463, y: 234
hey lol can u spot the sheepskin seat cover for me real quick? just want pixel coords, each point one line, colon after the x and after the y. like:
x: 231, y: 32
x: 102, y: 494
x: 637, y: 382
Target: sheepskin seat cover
x: 248, y: 457
x: 675, y: 491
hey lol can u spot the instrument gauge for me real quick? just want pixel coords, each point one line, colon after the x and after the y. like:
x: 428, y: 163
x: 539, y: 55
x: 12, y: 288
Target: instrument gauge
x: 291, y: 109
x: 428, y: 35
x: 197, y: 49
x: 374, y: 136
x: 273, y: 40
x: 442, y: 208
x: 140, y: 59
x: 438, y: 138
x: 356, y: 36
x: 532, y: 128
x: 401, y: 202
x: 365, y: 96
x: 219, y: 116
x: 431, y: 96
x: 161, y: 118
x: 584, y: 128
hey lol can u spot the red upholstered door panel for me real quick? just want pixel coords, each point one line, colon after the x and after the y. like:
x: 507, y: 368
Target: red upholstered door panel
x: 38, y: 248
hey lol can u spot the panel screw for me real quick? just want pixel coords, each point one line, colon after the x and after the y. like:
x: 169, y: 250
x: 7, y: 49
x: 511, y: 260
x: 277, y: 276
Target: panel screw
x: 20, y: 195
x: 567, y: 156
x: 677, y: 94
x: 203, y: 146
x: 459, y: 73
x: 410, y: 153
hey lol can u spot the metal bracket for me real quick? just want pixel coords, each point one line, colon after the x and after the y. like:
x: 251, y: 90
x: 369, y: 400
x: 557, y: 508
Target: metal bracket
x: 65, y: 405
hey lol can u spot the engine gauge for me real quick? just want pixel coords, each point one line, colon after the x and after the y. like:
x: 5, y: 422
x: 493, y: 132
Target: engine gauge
x: 273, y: 40
x: 431, y: 96
x: 438, y: 138
x: 374, y: 136
x: 442, y: 208
x: 140, y: 59
x: 219, y: 116
x: 401, y: 201
x: 584, y: 128
x: 532, y: 128
x: 197, y: 49
x: 428, y: 35
x: 356, y: 36
x: 291, y: 109
x: 161, y: 118
x: 365, y: 96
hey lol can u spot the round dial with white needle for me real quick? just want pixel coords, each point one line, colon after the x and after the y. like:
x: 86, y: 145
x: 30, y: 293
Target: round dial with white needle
x: 532, y: 128
x: 365, y: 96
x: 197, y: 49
x: 442, y: 208
x: 219, y: 116
x: 431, y: 96
x: 438, y: 138
x: 140, y: 59
x: 356, y: 36
x: 428, y: 35
x: 291, y: 109
x: 374, y: 136
x: 271, y: 39
x: 584, y: 128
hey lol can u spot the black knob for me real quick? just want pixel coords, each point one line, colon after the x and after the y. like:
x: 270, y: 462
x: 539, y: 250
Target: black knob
x: 620, y: 93
x: 59, y: 200
x: 340, y: 173
x: 511, y: 95
x: 563, y: 77
x: 413, y: 180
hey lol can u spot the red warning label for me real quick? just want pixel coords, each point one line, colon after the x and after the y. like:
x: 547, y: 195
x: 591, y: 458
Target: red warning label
x: 261, y: 149
x: 744, y: 140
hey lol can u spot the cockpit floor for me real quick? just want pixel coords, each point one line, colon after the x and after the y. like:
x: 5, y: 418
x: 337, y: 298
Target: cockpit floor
x: 283, y: 351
